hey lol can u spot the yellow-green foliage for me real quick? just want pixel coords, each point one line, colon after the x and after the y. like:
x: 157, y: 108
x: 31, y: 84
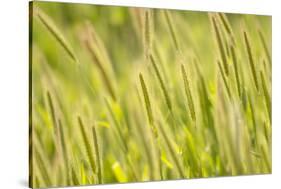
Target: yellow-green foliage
x: 131, y: 94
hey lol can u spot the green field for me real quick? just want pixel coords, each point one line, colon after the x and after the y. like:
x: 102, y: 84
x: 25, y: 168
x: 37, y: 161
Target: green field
x: 122, y: 94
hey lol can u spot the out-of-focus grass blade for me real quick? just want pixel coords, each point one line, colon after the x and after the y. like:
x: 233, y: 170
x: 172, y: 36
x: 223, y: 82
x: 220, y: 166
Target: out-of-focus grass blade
x: 53, y: 29
x: 225, y: 81
x: 97, y: 151
x: 146, y: 100
x: 148, y: 32
x: 266, y: 95
x: 251, y: 60
x: 119, y: 173
x: 169, y: 21
x: 219, y: 40
x: 87, y: 144
x: 188, y: 93
x: 161, y: 82
x: 236, y: 71
x: 265, y: 47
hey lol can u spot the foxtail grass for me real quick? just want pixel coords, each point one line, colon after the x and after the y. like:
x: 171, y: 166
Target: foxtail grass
x: 98, y: 62
x: 154, y: 130
x: 148, y: 32
x: 232, y: 134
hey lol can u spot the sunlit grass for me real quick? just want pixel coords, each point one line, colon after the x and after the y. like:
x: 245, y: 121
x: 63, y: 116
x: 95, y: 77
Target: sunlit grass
x: 135, y: 94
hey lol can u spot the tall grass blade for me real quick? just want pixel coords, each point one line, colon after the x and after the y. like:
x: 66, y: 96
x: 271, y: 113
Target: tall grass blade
x: 253, y: 115
x: 265, y: 47
x: 188, y: 93
x: 51, y: 105
x: 266, y: 95
x: 220, y: 45
x: 161, y: 82
x: 227, y: 26
x: 251, y: 60
x: 151, y: 122
x: 225, y: 81
x: 98, y: 62
x: 64, y: 150
x: 173, y: 153
x: 146, y: 100
x: 236, y: 71
x: 117, y: 126
x: 87, y: 144
x: 148, y: 31
x: 97, y: 151
x: 47, y: 21
x: 168, y: 18
x: 42, y: 167
x: 74, y: 177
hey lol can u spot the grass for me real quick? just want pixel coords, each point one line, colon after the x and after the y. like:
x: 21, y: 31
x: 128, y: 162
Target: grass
x: 146, y: 94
